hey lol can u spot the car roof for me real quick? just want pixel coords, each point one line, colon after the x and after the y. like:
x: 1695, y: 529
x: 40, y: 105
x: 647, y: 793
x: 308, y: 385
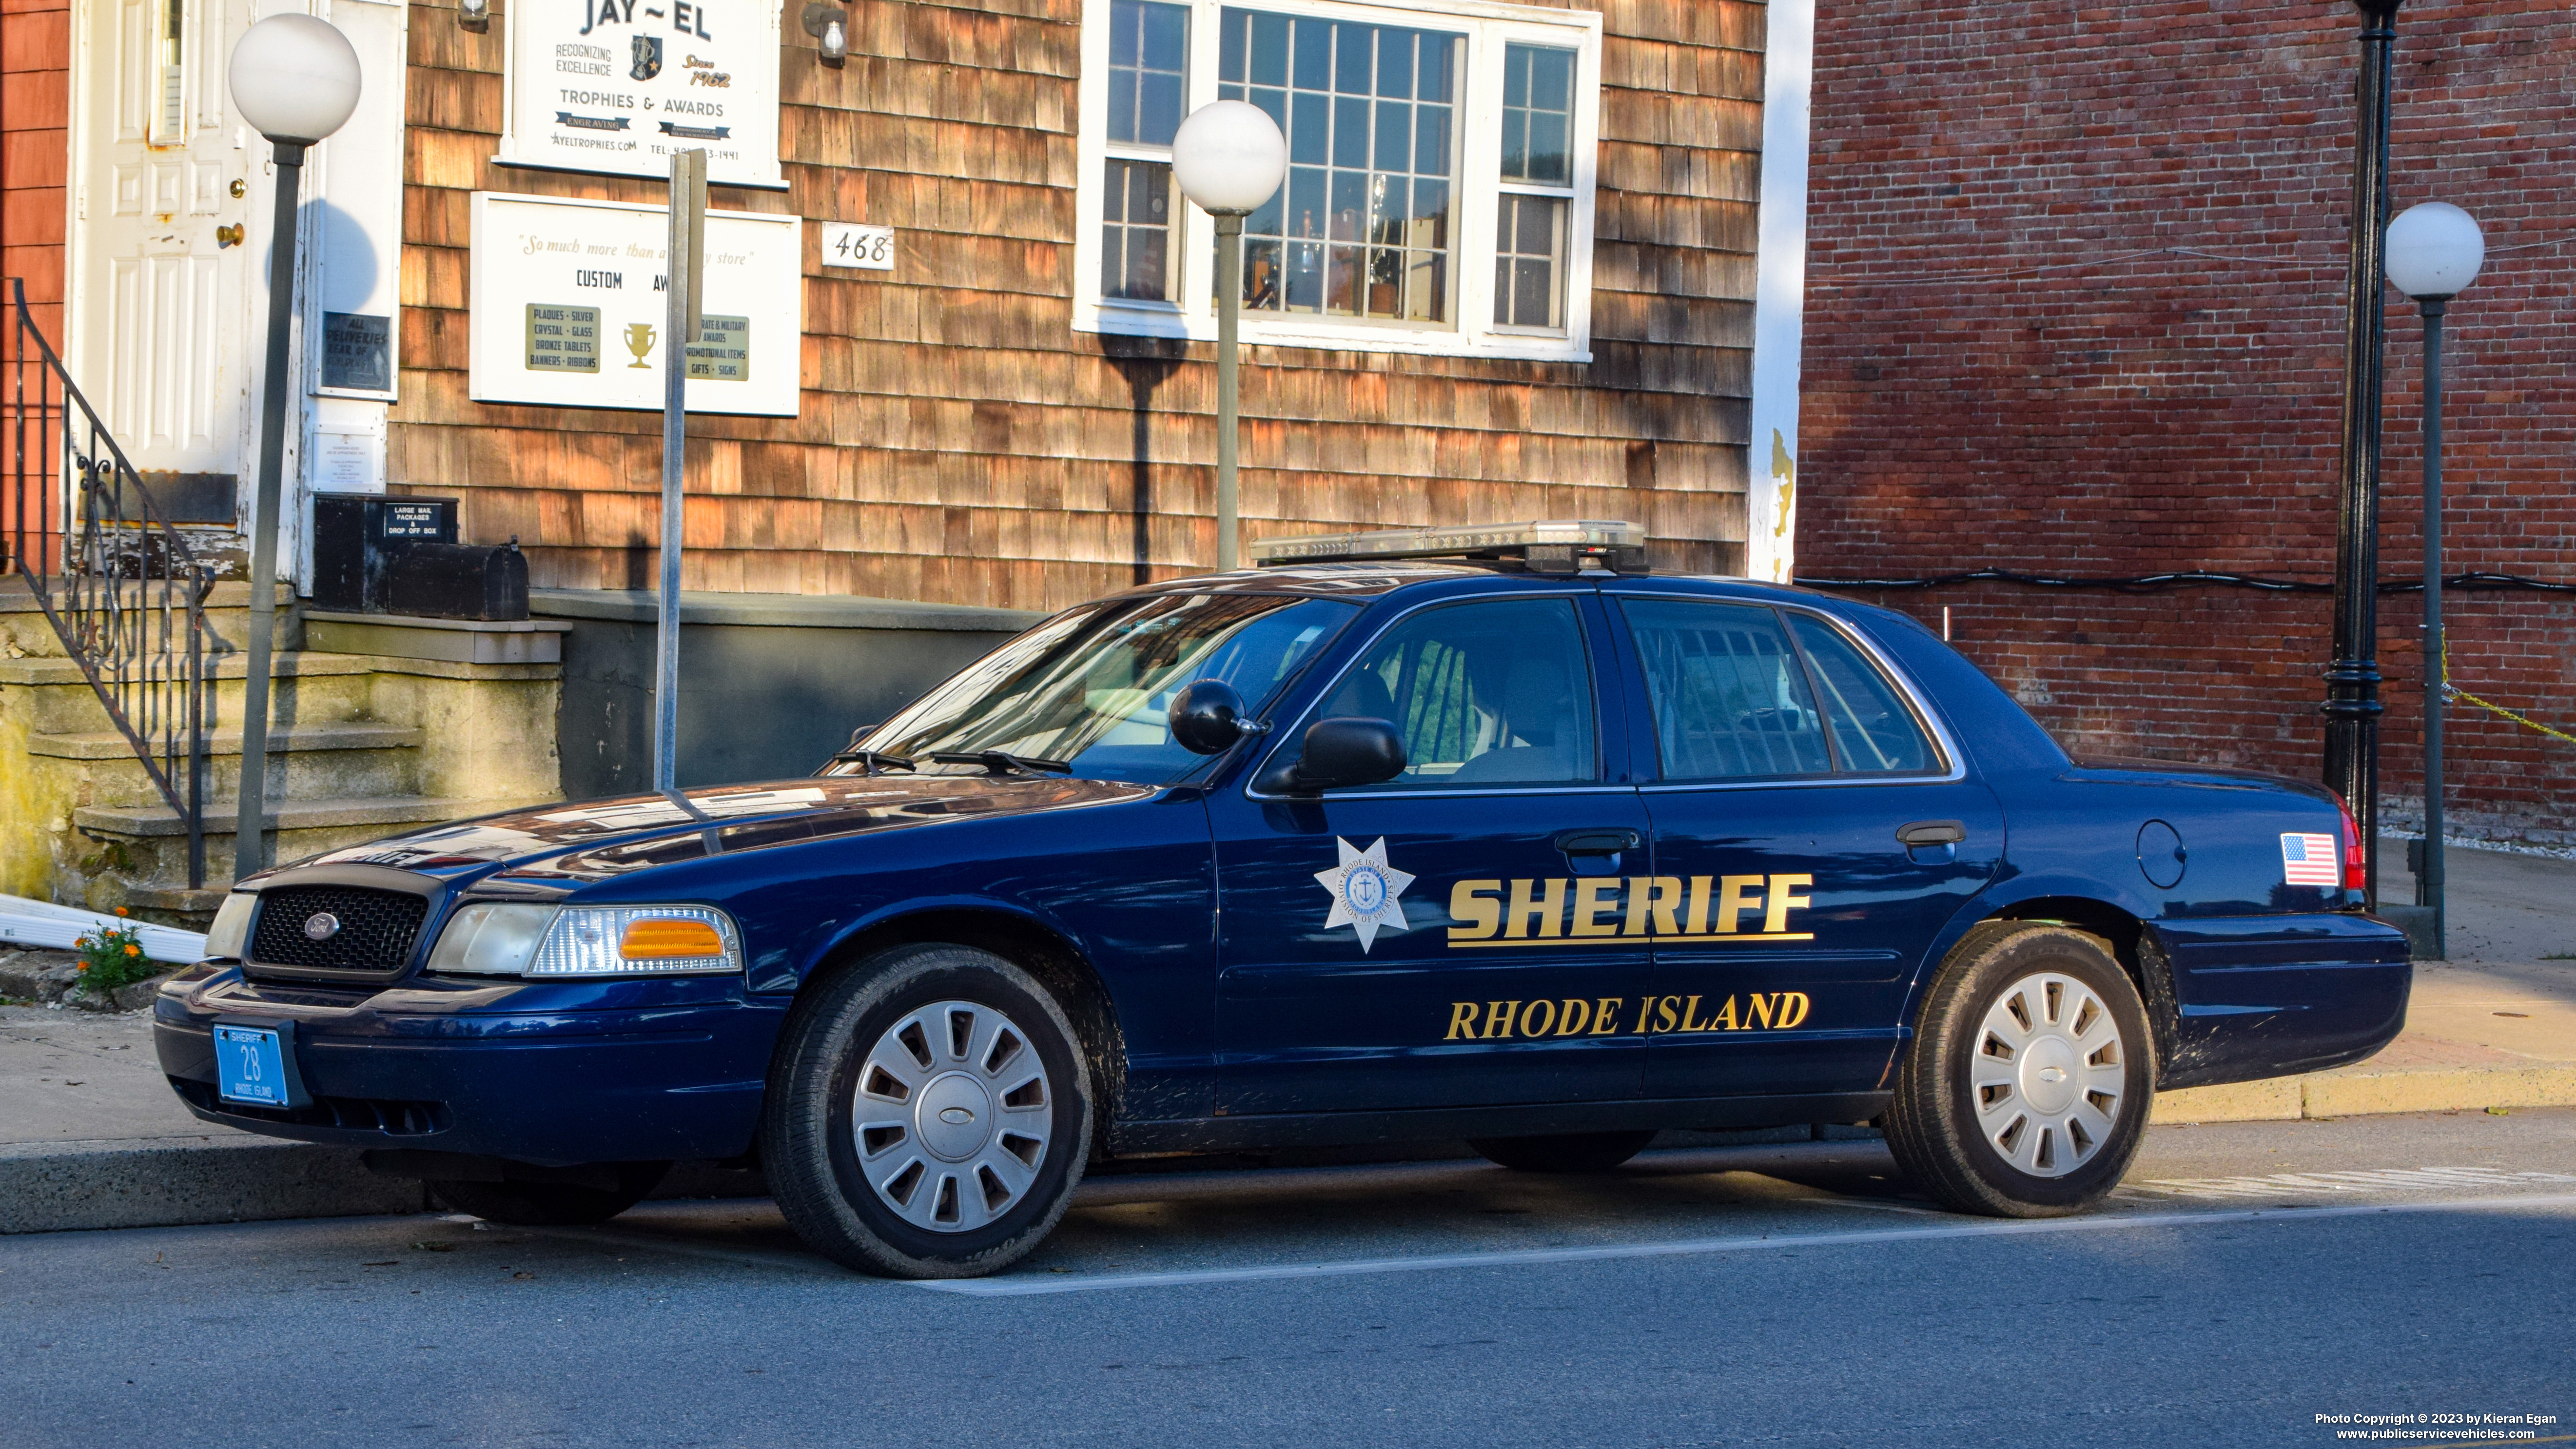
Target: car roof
x: 1374, y: 580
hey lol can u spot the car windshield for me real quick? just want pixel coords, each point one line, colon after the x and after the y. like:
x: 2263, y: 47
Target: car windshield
x: 1088, y: 689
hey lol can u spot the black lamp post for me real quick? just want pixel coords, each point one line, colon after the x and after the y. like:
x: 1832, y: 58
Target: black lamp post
x: 2434, y: 251
x: 2352, y: 705
x: 295, y: 78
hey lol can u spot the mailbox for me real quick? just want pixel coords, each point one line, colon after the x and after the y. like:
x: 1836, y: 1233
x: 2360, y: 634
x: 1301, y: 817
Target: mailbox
x: 354, y: 536
x: 375, y: 555
x: 458, y: 581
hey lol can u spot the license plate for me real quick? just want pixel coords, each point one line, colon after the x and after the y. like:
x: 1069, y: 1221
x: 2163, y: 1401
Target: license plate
x: 250, y: 1066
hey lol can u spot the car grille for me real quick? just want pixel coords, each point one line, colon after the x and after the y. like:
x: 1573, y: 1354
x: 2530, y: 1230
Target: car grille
x: 377, y: 928
x: 349, y: 1114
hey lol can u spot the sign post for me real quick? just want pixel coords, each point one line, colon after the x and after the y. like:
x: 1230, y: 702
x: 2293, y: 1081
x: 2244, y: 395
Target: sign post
x: 681, y: 311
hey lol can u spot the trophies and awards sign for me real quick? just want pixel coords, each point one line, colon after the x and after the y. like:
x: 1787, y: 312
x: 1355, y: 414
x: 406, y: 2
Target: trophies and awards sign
x: 616, y: 86
x: 569, y: 307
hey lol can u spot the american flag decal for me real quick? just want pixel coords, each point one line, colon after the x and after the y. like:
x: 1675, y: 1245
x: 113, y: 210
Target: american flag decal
x: 2309, y: 860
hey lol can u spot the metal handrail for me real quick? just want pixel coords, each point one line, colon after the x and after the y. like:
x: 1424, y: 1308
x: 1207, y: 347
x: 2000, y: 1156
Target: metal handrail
x: 121, y: 587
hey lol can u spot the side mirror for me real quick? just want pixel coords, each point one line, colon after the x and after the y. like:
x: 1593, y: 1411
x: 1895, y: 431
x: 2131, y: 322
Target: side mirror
x: 1207, y: 716
x: 1337, y: 754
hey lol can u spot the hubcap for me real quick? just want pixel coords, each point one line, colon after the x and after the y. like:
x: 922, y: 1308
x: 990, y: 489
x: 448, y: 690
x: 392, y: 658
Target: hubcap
x: 952, y: 1116
x: 2048, y: 1076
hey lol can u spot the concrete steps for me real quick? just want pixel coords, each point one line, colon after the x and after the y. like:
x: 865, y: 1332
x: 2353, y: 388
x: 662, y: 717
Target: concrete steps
x: 352, y: 758
x: 362, y: 746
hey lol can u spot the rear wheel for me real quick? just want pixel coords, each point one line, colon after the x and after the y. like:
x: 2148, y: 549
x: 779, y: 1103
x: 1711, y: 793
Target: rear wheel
x: 1564, y: 1152
x: 551, y: 1204
x: 930, y: 1114
x: 2026, y: 1088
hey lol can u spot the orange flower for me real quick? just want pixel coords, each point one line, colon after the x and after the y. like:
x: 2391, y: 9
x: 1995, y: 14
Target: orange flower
x: 120, y: 910
x: 133, y: 950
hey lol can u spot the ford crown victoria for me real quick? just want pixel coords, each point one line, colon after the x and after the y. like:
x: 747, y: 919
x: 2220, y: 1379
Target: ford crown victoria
x: 1483, y: 834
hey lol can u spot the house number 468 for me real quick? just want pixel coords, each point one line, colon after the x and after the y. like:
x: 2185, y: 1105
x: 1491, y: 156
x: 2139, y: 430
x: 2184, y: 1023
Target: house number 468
x: 847, y: 244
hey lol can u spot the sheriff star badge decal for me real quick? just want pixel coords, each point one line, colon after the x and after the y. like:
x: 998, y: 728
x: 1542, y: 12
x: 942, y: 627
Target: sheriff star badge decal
x: 1364, y: 890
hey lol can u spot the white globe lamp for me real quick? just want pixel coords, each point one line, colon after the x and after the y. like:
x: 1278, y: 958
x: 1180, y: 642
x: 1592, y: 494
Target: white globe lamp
x: 2435, y: 250
x: 295, y: 78
x: 1229, y: 157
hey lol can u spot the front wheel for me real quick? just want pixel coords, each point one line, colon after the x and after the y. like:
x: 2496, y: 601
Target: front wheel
x: 2026, y: 1088
x: 930, y: 1114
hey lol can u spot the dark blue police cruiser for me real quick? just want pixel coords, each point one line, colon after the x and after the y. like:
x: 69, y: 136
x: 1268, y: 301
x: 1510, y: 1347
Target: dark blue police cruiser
x: 1451, y: 833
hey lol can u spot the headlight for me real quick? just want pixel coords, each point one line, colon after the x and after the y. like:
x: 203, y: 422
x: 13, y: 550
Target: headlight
x: 495, y: 938
x: 229, y: 937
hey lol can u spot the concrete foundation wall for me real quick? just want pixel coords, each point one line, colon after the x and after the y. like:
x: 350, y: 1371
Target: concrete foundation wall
x: 770, y: 684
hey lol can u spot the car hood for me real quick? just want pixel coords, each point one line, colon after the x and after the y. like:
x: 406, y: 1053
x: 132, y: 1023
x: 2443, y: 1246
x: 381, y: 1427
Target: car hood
x: 600, y: 839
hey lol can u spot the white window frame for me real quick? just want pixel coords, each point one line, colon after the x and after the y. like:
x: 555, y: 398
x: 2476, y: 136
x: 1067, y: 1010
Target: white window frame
x: 1489, y: 26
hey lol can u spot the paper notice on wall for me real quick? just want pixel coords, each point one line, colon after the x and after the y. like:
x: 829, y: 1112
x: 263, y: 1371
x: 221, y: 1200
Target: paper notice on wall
x: 616, y: 86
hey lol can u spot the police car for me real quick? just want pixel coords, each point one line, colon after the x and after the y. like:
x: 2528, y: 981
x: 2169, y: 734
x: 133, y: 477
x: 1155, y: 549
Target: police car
x: 1478, y: 833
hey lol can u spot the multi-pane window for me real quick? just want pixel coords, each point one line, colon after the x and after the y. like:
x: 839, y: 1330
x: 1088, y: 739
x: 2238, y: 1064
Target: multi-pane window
x: 1148, y: 92
x: 1537, y: 187
x: 1364, y: 226
x: 1436, y: 149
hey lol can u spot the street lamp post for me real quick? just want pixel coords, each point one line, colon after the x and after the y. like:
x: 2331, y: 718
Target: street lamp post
x: 296, y: 79
x: 2352, y: 705
x: 2434, y: 252
x: 1229, y: 157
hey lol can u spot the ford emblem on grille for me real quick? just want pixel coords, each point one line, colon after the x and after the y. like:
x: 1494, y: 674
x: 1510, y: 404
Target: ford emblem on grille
x: 321, y: 926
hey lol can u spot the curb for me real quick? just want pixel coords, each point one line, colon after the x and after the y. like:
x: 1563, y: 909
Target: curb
x: 152, y: 1182
x: 2362, y: 1094
x: 148, y: 1182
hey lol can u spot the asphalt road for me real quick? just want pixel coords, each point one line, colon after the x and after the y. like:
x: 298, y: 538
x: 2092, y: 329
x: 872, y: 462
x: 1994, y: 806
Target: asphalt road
x: 2230, y: 1294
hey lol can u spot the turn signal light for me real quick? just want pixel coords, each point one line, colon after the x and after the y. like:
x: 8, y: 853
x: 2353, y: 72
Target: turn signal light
x: 661, y: 938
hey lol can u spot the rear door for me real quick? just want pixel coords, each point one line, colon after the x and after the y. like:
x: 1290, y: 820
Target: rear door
x: 1791, y: 766
x: 1456, y: 936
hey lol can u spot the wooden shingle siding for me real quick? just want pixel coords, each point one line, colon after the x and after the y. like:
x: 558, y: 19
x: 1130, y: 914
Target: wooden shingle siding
x: 960, y: 442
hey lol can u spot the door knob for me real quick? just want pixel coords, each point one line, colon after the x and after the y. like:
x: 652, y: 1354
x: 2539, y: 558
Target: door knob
x: 1599, y: 842
x: 228, y: 236
x: 1931, y: 832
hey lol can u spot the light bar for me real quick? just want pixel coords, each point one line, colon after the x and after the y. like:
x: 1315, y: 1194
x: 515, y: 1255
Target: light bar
x: 1546, y: 546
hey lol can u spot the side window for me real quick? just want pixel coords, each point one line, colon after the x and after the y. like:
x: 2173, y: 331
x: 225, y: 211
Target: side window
x: 1484, y: 694
x: 1874, y: 733
x: 1729, y: 698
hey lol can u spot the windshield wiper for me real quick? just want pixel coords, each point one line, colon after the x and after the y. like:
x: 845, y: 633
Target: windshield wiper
x: 876, y: 762
x: 997, y: 761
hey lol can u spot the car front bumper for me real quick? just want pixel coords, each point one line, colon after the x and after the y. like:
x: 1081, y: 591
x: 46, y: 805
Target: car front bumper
x: 556, y: 1073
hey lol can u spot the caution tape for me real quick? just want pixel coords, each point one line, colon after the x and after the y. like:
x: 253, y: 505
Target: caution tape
x: 2453, y: 691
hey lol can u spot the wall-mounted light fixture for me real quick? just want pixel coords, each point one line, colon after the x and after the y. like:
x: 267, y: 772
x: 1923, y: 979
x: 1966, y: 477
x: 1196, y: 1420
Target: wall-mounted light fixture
x: 474, y: 15
x: 829, y: 24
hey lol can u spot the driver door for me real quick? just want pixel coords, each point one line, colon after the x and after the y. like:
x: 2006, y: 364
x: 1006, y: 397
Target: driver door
x: 1455, y: 936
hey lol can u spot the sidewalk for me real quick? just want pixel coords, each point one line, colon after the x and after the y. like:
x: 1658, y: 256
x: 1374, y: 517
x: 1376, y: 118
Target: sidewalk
x: 92, y: 1137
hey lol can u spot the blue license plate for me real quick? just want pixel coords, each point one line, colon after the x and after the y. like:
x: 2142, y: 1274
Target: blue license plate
x: 250, y: 1066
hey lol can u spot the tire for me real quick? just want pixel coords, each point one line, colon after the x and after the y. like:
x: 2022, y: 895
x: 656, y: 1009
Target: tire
x: 550, y: 1204
x: 2026, y: 1089
x: 930, y: 1113
x: 1567, y: 1152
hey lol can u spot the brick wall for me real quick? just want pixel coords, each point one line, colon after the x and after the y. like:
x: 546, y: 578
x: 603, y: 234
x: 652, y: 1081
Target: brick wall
x: 2120, y: 414
x: 35, y: 60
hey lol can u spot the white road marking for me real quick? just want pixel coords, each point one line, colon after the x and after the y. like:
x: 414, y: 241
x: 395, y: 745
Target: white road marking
x: 1027, y: 1286
x: 2387, y: 1179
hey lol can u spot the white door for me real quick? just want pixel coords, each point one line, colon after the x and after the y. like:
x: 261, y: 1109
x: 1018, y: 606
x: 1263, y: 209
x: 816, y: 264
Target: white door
x: 161, y: 250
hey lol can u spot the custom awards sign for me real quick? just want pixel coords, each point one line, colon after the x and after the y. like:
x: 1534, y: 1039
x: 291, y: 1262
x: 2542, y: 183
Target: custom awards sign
x: 567, y: 300
x: 616, y: 86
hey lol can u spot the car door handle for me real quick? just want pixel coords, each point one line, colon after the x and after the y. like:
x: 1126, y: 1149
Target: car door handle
x: 1931, y: 832
x: 1599, y: 842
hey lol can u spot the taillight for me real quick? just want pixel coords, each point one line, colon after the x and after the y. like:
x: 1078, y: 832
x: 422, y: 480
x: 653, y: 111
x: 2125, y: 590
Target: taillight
x: 2356, y: 870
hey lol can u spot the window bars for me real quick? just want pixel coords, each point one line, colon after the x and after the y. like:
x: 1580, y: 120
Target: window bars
x: 120, y: 586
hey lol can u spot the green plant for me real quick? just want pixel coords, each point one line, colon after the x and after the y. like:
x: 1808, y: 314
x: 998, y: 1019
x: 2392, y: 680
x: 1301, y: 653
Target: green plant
x: 113, y: 957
